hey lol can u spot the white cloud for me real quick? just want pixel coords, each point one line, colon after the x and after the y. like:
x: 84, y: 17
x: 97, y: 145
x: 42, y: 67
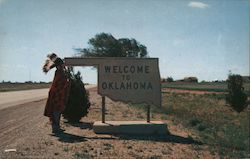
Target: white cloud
x: 200, y: 5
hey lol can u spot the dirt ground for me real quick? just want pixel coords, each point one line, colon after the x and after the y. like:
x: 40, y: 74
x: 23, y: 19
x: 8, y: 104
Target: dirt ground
x: 25, y: 129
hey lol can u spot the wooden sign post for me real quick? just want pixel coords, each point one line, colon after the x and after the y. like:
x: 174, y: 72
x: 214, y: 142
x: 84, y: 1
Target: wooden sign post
x: 148, y: 113
x: 103, y: 109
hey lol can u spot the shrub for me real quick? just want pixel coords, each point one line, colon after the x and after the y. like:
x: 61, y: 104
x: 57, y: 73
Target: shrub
x: 78, y: 102
x: 236, y: 96
x: 170, y: 79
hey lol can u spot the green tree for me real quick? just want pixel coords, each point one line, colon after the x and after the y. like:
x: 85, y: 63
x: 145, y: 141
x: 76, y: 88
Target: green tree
x: 105, y: 45
x: 170, y: 79
x: 78, y: 102
x: 236, y: 96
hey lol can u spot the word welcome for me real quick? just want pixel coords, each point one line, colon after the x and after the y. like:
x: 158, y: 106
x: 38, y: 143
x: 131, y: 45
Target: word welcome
x: 127, y: 69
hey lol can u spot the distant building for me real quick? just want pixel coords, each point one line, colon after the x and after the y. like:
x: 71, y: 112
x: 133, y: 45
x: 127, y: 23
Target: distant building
x: 169, y: 79
x: 246, y: 79
x: 189, y: 79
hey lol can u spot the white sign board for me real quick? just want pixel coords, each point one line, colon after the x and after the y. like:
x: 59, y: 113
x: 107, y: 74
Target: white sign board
x: 133, y: 80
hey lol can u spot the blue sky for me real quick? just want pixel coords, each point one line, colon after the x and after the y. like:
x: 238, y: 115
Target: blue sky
x: 204, y: 38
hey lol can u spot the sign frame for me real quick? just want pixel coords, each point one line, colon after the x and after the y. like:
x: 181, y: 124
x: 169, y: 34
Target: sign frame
x: 96, y: 62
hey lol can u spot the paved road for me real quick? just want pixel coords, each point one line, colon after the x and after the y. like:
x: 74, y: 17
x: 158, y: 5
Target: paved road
x: 9, y: 99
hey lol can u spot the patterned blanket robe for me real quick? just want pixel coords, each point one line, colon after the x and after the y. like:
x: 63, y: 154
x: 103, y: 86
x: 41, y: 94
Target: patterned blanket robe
x: 58, y: 94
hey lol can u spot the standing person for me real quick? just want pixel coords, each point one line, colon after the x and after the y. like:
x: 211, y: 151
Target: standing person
x: 58, y: 92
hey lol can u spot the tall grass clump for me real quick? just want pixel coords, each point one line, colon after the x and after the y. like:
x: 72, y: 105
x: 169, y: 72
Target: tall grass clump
x: 236, y: 96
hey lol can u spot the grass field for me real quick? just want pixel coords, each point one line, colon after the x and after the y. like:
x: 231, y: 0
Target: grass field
x: 216, y: 123
x: 206, y: 86
x: 225, y: 131
x: 4, y: 87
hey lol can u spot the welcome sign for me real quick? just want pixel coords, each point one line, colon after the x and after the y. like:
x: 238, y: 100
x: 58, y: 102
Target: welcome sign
x: 134, y: 80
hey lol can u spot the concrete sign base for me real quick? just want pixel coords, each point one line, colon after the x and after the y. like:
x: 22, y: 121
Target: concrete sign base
x: 131, y: 127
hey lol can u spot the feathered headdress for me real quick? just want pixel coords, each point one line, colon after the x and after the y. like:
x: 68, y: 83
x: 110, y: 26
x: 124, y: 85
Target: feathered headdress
x: 51, y: 61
